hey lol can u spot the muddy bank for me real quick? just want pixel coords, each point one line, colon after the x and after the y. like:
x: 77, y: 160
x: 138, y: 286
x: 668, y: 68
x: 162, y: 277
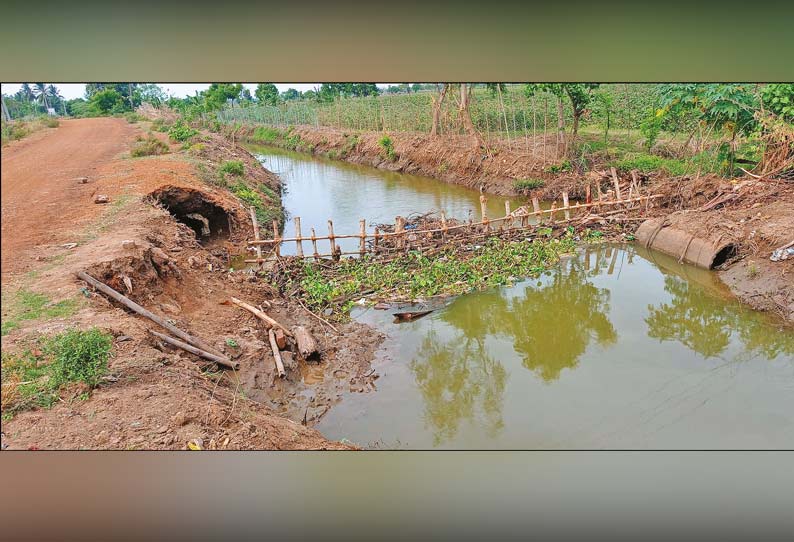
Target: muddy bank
x: 168, y: 245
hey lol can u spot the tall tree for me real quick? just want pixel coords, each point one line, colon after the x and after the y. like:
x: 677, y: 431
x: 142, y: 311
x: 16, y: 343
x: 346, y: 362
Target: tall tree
x: 579, y: 96
x: 267, y: 93
x: 438, y: 102
x: 40, y: 92
x: 464, y: 114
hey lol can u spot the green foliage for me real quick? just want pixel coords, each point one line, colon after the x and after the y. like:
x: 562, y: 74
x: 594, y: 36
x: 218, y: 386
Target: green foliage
x: 651, y: 127
x: 724, y: 106
x: 219, y: 94
x: 26, y: 305
x: 79, y: 356
x: 133, y: 117
x: 351, y: 142
x: 161, y: 125
x: 181, y: 131
x: 267, y: 93
x: 525, y: 185
x: 564, y: 166
x: 151, y: 146
x: 232, y: 167
x: 779, y: 98
x: 496, y: 263
x: 231, y: 343
x: 265, y: 134
x: 107, y: 102
x: 388, y: 148
x: 647, y: 163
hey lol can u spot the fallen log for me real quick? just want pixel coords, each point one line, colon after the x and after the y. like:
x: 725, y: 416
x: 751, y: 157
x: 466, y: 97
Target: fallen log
x: 276, y: 354
x: 307, y: 346
x: 197, y: 351
x: 261, y: 315
x: 127, y: 302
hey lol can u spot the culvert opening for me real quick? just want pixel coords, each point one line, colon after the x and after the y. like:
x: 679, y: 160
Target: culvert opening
x: 209, y: 221
x: 725, y: 253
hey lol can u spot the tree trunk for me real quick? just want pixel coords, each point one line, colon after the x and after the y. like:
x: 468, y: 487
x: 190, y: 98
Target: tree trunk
x: 465, y: 115
x: 562, y: 148
x: 438, y: 101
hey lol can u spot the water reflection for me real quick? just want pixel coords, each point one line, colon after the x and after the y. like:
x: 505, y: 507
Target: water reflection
x: 706, y: 324
x: 454, y: 377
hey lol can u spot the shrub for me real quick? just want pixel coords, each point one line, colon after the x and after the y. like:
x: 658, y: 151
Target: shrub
x: 525, y: 185
x: 265, y: 134
x: 650, y: 128
x: 161, y: 125
x: 232, y: 167
x: 133, y: 117
x: 565, y: 165
x: 181, y: 132
x: 148, y: 147
x: 388, y: 148
x: 50, y: 122
x: 646, y: 163
x: 79, y: 356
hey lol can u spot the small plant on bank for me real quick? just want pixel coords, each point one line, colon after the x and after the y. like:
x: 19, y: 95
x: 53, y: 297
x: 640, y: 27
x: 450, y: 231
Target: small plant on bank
x: 388, y: 148
x: 133, y: 117
x: 231, y: 343
x: 181, y: 132
x: 752, y: 270
x: 562, y: 167
x: 50, y: 122
x: 232, y: 167
x: 523, y: 186
x: 79, y: 356
x: 150, y: 146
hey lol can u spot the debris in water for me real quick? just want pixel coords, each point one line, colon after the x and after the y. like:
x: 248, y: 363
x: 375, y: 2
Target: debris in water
x: 409, y: 316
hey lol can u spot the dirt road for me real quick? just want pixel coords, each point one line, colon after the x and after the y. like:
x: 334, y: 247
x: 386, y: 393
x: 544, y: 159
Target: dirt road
x: 41, y: 203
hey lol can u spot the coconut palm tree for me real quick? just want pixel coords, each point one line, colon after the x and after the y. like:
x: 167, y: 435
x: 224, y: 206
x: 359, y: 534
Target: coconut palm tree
x: 40, y: 92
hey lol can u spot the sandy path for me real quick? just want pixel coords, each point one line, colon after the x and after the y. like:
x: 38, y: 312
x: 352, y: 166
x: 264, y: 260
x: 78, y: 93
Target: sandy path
x: 41, y: 204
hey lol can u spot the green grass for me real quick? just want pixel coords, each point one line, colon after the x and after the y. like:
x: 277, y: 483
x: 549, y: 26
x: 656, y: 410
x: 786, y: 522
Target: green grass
x: 232, y: 167
x: 25, y: 305
x: 647, y: 163
x: 414, y: 275
x: 151, y: 146
x: 388, y: 148
x: 525, y: 185
x: 265, y: 134
x: 33, y: 377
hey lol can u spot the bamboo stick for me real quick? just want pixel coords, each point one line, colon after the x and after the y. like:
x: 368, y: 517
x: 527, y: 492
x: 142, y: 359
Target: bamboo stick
x: 197, y: 351
x: 616, y: 183
x: 127, y: 302
x: 551, y: 214
x: 377, y: 238
x: 399, y: 229
x: 256, y: 232
x: 261, y: 315
x: 565, y: 205
x: 331, y: 237
x: 587, y: 197
x: 443, y: 226
x: 484, y: 211
x: 507, y: 213
x: 298, y: 241
x: 276, y: 354
x: 314, y: 245
x: 362, y: 246
x: 276, y: 240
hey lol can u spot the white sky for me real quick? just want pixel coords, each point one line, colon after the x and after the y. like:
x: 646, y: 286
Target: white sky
x: 180, y: 90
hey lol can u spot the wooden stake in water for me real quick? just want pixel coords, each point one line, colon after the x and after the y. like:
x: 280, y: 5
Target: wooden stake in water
x: 565, y: 205
x: 256, y: 233
x: 587, y: 198
x: 331, y: 237
x: 298, y: 243
x: 314, y: 246
x: 484, y: 211
x: 443, y: 226
x: 362, y: 247
x: 399, y: 229
x: 536, y: 209
x: 507, y: 213
x: 551, y: 214
x: 277, y: 239
x: 377, y: 239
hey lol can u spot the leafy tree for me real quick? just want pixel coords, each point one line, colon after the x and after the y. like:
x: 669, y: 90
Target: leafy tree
x: 267, y: 93
x: 40, y: 92
x: 290, y: 94
x: 219, y: 94
x: 779, y: 98
x: 149, y: 93
x: 495, y: 87
x: 107, y: 101
x: 578, y: 94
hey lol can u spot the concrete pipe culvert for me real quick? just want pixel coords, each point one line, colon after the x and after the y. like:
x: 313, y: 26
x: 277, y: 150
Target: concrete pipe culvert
x: 194, y: 208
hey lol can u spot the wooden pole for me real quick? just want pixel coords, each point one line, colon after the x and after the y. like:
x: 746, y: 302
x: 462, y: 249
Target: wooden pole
x: 484, y: 211
x: 377, y: 239
x: 362, y: 246
x: 551, y: 214
x: 261, y: 315
x: 299, y: 241
x: 616, y: 183
x: 565, y: 205
x: 331, y: 237
x: 197, y: 351
x: 399, y: 229
x: 256, y: 232
x: 587, y: 197
x: 314, y: 246
x: 443, y: 226
x: 276, y: 238
x: 276, y: 354
x: 127, y: 302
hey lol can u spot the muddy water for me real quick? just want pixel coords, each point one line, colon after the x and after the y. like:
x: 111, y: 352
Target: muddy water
x: 615, y: 348
x: 317, y: 189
